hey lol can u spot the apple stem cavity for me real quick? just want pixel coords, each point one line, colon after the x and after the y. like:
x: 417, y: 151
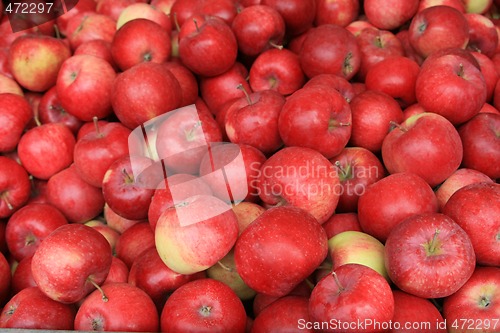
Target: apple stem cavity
x: 190, y: 134
x: 103, y: 295
x: 346, y: 173
x: 347, y: 67
x: 276, y: 46
x: 240, y: 87
x: 205, y: 310
x: 128, y: 178
x: 378, y: 42
x: 460, y: 72
x: 337, y: 282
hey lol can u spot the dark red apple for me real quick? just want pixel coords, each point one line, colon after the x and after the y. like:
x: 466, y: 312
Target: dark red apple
x: 203, y: 305
x: 134, y: 241
x: 298, y: 14
x: 68, y: 280
x: 289, y: 313
x: 15, y: 186
x: 50, y: 110
x: 15, y: 114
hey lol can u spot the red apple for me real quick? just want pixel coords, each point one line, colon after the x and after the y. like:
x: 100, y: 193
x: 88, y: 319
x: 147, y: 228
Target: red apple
x: 490, y: 75
x: 414, y: 314
x: 73, y: 9
x: 260, y: 260
x: 330, y: 49
x: 127, y: 191
x: 84, y: 86
x: 276, y: 69
x: 451, y: 87
x: 258, y: 28
x: 183, y: 138
x: 50, y: 110
x: 457, y: 4
x: 481, y: 144
x: 140, y: 40
x: 373, y: 115
x: 473, y: 208
x: 149, y: 273
x: 436, y: 28
x: 339, y: 83
x: 31, y: 309
x: 75, y: 198
x: 203, y: 305
x: 217, y: 91
x: 483, y: 36
x: 87, y: 26
x: 232, y: 171
x: 341, y: 222
x: 289, y: 313
x: 474, y: 307
x: 327, y: 125
x: 196, y: 233
x: 133, y: 242
x: 68, y: 280
x: 389, y: 15
x: 336, y: 12
x: 29, y: 226
x: 460, y: 178
x: 109, y: 233
x: 139, y: 93
x: 22, y: 277
x: 35, y: 60
x: 396, y: 77
x: 5, y: 280
x: 46, y: 149
x: 207, y: 45
x: 298, y: 14
x: 118, y: 272
x: 353, y: 298
x: 392, y: 199
x: 98, y: 48
x: 9, y: 85
x: 300, y: 177
x: 15, y: 186
x: 117, y: 307
x: 376, y: 45
x: 97, y: 150
x: 426, y: 144
x: 256, y: 124
x: 187, y: 81
x: 15, y: 114
x: 429, y: 256
x: 357, y: 168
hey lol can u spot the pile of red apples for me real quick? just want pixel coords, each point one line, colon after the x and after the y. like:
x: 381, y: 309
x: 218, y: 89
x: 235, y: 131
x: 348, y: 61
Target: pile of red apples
x: 251, y: 166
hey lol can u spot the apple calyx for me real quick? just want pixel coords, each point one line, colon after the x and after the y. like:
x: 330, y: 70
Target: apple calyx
x: 240, y: 87
x: 378, y: 42
x: 345, y: 172
x: 205, y: 311
x: 30, y: 239
x: 196, y: 25
x: 103, y: 295
x: 347, y: 66
x: 128, y: 178
x: 484, y: 302
x: 432, y: 247
x: 337, y: 282
x: 421, y: 28
x: 4, y: 197
x: 147, y: 57
x: 460, y: 72
x: 97, y: 324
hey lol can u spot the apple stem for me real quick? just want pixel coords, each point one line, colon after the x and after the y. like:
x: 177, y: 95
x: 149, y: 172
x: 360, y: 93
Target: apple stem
x: 30, y: 239
x: 240, y: 87
x: 196, y: 25
x: 104, y: 297
x: 56, y: 30
x: 226, y: 268
x: 433, y: 244
x: 309, y: 283
x: 176, y: 22
x: 394, y: 124
x: 347, y: 67
x: 461, y: 70
x: 6, y: 200
x: 96, y: 125
x: 277, y: 46
x: 37, y: 121
x: 337, y: 282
